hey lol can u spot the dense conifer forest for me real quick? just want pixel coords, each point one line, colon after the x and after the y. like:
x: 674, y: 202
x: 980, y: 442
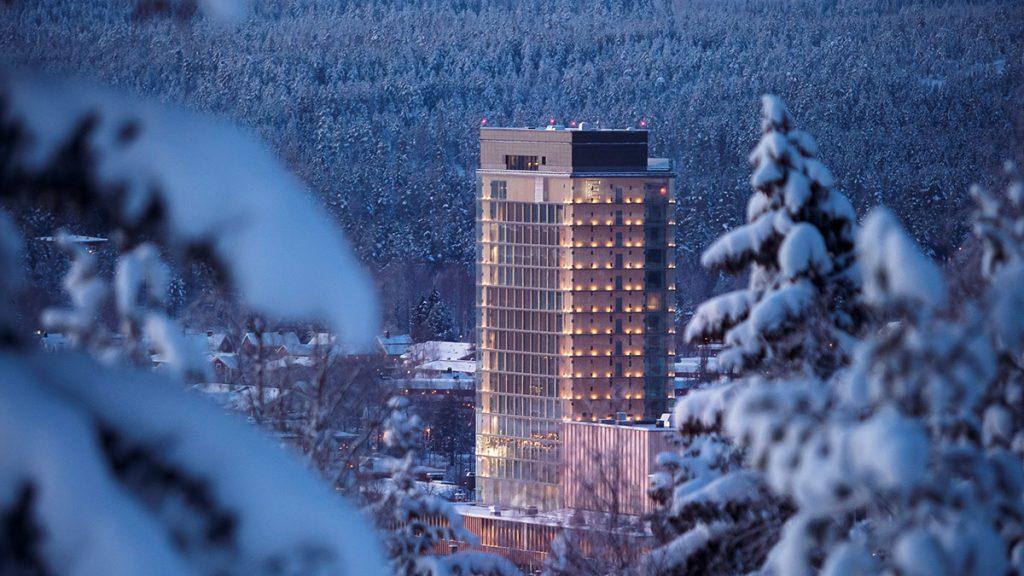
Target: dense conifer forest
x: 375, y: 103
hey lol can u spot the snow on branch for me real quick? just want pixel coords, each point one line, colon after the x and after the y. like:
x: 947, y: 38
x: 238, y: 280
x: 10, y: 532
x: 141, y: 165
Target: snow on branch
x: 797, y: 247
x: 703, y: 409
x: 87, y: 291
x: 894, y: 270
x: 779, y: 308
x: 803, y: 253
x: 120, y: 472
x: 203, y: 186
x: 715, y: 316
x: 746, y: 244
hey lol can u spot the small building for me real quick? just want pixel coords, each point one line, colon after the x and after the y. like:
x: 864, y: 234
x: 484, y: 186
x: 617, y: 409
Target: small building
x: 524, y: 536
x: 220, y: 342
x: 465, y: 369
x: 438, y: 387
x: 225, y: 366
x: 394, y: 345
x: 607, y: 466
x: 438, y: 350
x: 437, y: 369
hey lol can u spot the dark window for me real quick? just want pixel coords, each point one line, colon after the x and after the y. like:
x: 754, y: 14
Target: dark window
x: 517, y: 162
x: 499, y: 189
x: 654, y: 256
x: 655, y: 279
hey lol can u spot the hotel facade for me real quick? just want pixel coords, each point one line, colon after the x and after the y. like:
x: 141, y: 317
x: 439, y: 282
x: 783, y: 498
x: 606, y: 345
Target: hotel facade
x: 575, y: 301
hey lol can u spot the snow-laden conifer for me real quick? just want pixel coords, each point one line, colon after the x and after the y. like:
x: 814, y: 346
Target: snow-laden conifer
x: 796, y: 312
x: 795, y: 318
x: 908, y: 462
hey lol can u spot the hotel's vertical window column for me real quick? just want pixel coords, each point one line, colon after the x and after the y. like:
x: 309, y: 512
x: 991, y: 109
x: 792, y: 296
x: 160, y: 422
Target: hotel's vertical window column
x: 519, y: 320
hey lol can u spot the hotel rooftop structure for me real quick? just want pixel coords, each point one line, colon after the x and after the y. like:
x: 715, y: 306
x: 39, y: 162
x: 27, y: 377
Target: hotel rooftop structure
x: 575, y: 301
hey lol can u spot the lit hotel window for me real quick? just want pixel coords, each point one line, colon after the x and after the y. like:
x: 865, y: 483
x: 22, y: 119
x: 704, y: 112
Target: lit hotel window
x: 517, y: 162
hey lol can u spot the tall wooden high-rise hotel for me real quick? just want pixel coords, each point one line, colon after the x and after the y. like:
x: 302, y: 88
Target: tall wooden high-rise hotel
x: 574, y: 297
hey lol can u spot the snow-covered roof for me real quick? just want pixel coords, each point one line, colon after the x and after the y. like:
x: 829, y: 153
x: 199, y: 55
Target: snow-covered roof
x: 321, y: 339
x: 289, y: 361
x: 547, y: 518
x: 462, y: 366
x: 54, y: 341
x: 273, y: 339
x: 648, y: 426
x: 299, y: 349
x: 436, y: 383
x: 563, y: 517
x: 395, y: 345
x: 659, y: 164
x: 438, y: 350
x: 74, y: 239
x: 228, y: 359
x: 216, y: 340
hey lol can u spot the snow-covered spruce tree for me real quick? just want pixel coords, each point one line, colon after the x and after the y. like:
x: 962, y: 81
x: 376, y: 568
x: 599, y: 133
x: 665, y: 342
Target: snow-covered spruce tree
x: 115, y: 470
x: 439, y: 320
x: 903, y: 463
x: 431, y: 319
x: 418, y: 321
x: 416, y: 523
x: 798, y: 310
x: 796, y: 316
